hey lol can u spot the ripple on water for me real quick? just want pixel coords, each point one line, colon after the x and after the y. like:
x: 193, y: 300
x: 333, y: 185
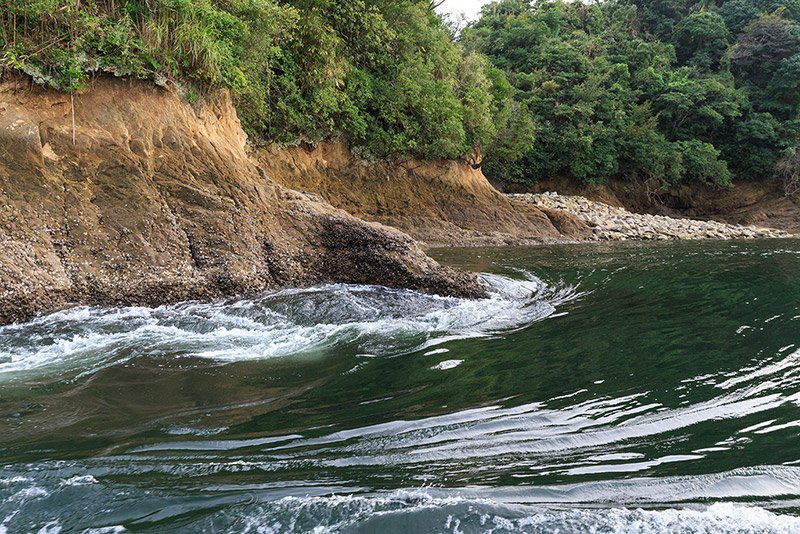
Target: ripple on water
x: 495, y: 510
x: 407, y: 511
x: 594, y: 453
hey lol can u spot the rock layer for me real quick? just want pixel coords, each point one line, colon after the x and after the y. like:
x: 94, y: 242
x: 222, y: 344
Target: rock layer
x: 128, y: 195
x: 438, y: 202
x: 610, y: 223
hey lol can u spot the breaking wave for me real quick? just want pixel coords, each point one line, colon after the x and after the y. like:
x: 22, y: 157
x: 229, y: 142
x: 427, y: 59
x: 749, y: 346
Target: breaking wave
x: 378, y: 320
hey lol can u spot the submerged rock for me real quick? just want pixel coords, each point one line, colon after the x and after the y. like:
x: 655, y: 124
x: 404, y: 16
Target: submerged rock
x: 148, y: 200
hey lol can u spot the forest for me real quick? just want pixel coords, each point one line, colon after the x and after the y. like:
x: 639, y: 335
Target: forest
x: 655, y: 90
x: 666, y: 90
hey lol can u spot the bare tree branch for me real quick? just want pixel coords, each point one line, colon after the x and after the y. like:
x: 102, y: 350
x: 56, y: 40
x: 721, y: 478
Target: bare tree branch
x: 788, y: 170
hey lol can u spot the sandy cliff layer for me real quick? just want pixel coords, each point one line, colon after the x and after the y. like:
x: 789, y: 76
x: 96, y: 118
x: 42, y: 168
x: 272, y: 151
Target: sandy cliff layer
x: 441, y: 203
x: 148, y: 200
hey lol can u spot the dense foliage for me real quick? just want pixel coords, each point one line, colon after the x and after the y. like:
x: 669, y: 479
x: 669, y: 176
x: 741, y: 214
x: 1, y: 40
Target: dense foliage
x: 665, y: 90
x: 388, y: 75
x: 660, y: 90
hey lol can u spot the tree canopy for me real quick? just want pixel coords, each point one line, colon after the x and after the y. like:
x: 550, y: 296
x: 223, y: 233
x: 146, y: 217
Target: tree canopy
x: 666, y: 90
x: 387, y: 75
x: 660, y: 90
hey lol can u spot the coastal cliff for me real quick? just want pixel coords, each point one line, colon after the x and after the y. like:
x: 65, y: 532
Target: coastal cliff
x: 126, y: 194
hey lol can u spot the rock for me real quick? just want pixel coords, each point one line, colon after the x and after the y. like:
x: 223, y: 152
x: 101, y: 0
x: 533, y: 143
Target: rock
x: 158, y: 201
x: 568, y: 224
x: 609, y: 222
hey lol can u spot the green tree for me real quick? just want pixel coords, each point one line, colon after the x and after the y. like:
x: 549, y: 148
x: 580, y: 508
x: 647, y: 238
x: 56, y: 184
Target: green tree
x: 701, y: 39
x: 674, y: 102
x: 738, y: 14
x: 762, y: 47
x: 386, y: 75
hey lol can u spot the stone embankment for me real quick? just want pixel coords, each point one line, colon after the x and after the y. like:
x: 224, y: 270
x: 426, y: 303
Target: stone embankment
x: 610, y: 223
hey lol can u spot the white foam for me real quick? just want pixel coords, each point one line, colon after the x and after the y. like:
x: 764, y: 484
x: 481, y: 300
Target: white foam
x: 80, y: 480
x: 380, y: 321
x: 422, y: 510
x: 27, y: 494
x: 447, y: 364
x: 720, y: 518
x: 53, y: 527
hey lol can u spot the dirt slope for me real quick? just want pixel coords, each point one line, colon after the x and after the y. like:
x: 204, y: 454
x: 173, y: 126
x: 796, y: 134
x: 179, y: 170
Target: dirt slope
x: 441, y: 203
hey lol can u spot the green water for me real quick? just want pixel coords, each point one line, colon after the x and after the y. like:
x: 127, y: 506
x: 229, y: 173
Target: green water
x: 606, y: 388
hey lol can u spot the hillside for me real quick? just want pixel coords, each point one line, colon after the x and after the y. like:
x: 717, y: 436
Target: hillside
x: 660, y: 93
x: 442, y: 202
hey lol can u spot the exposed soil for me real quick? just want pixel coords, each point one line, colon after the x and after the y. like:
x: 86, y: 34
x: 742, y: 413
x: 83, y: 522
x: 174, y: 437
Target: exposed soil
x: 440, y: 203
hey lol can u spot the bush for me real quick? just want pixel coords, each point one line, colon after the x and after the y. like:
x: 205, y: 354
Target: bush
x: 386, y: 75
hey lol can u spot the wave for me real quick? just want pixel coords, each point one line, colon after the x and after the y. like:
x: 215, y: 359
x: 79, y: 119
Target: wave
x: 89, y: 493
x: 571, y: 437
x: 377, y: 320
x: 406, y: 511
x: 545, y: 440
x: 311, y: 509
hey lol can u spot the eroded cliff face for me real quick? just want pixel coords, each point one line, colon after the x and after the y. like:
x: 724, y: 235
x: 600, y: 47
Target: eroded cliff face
x: 441, y: 203
x: 144, y: 199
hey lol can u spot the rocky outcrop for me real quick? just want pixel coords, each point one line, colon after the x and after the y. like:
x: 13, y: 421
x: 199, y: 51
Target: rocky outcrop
x: 761, y: 203
x: 611, y: 223
x: 128, y: 195
x: 439, y: 202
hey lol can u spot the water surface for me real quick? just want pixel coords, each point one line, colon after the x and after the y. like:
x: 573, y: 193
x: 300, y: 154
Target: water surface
x: 625, y: 387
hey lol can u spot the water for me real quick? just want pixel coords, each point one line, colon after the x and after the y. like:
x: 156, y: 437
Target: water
x: 602, y: 388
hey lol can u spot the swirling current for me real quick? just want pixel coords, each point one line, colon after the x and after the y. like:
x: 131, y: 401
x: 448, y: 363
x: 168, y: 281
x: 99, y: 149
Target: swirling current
x: 601, y: 388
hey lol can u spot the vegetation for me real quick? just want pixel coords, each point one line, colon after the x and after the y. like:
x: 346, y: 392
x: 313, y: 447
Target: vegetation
x: 666, y: 90
x: 659, y: 90
x: 388, y: 75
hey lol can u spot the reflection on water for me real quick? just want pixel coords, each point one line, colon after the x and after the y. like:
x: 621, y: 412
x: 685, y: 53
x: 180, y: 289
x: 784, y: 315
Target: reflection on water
x: 605, y: 388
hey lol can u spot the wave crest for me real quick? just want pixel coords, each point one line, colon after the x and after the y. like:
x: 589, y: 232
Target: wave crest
x: 377, y: 320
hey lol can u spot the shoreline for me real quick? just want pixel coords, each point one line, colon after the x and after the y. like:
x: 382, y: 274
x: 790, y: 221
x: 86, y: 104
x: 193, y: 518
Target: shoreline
x: 610, y: 223
x: 184, y: 209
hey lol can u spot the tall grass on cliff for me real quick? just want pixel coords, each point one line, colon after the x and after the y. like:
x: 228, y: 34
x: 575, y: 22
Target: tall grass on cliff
x: 387, y: 75
x: 61, y: 42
